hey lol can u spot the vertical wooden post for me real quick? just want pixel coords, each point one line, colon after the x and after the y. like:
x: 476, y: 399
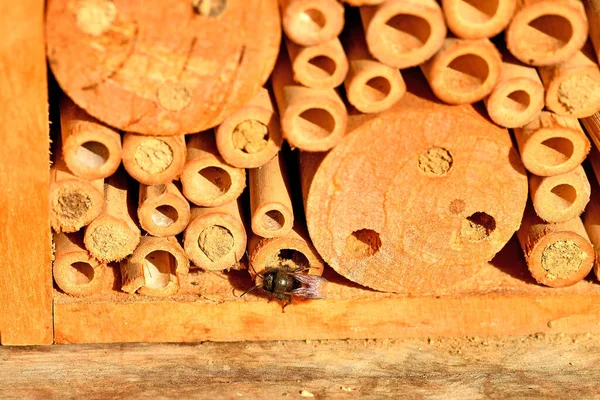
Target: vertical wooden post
x: 26, y: 284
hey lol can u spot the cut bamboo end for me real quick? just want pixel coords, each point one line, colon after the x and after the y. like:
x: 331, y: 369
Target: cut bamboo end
x: 311, y: 22
x: 402, y: 33
x: 75, y: 271
x: 358, y: 3
x: 323, y: 66
x: 560, y: 198
x: 251, y: 136
x: 552, y: 144
x: 463, y: 71
x: 91, y: 149
x: 270, y: 200
x: 152, y: 160
x: 206, y: 179
x: 518, y: 96
x: 114, y: 234
x: 216, y: 237
x: 292, y: 251
x: 154, y: 267
x: 311, y: 119
x: 478, y: 19
x: 547, y: 32
x: 573, y: 87
x: 592, y: 9
x: 162, y: 210
x: 557, y: 255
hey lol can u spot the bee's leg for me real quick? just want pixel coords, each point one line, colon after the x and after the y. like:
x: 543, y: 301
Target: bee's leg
x: 288, y: 301
x: 300, y: 269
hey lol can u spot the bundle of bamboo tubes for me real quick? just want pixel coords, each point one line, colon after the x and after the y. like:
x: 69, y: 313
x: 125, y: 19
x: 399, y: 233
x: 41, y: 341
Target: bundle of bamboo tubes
x: 372, y: 137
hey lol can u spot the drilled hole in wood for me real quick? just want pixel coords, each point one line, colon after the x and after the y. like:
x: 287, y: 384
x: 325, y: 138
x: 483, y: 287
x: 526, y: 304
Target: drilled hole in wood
x: 316, y: 123
x: 158, y: 267
x: 165, y: 216
x: 548, y: 33
x: 406, y: 32
x: 477, y: 11
x: 555, y: 151
x: 209, y: 8
x: 363, y: 243
x: 92, y: 154
x: 564, y: 196
x: 435, y: 162
x: 312, y: 20
x: 216, y: 242
x: 214, y: 182
x: 321, y: 67
x: 517, y: 101
x: 81, y: 273
x: 376, y: 89
x: 478, y: 226
x: 466, y: 73
x: 272, y: 220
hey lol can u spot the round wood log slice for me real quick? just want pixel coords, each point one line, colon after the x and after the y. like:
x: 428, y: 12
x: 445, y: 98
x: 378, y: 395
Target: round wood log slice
x: 162, y: 67
x: 415, y: 199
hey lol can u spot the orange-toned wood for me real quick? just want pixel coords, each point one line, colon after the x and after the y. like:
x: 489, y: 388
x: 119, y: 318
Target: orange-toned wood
x: 546, y: 32
x: 26, y: 284
x: 162, y: 67
x: 311, y: 22
x: 152, y: 160
x: 411, y: 217
x: 501, y: 300
x: 478, y: 19
x: 591, y: 217
x: 162, y: 210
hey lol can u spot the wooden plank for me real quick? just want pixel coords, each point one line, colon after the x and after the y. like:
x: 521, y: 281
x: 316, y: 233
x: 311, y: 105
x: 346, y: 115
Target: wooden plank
x: 26, y: 284
x: 501, y: 300
x: 535, y: 367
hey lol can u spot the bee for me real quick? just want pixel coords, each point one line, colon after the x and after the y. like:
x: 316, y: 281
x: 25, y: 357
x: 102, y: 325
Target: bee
x: 283, y: 284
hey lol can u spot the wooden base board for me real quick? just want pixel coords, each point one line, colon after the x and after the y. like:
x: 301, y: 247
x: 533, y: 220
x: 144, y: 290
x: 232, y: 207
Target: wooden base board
x: 501, y: 300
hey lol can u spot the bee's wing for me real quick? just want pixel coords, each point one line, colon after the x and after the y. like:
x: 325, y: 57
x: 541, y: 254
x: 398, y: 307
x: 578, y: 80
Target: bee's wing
x: 313, y: 286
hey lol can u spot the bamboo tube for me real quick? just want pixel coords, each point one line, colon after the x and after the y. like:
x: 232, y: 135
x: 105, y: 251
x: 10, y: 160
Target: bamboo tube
x: 518, y: 96
x: 74, y: 202
x: 370, y: 85
x: 162, y: 67
x: 546, y: 32
x: 592, y: 9
x: 592, y: 126
x: 162, y: 210
x: 154, y: 267
x: 573, y: 87
x: 557, y: 255
x: 311, y: 119
x: 75, y: 271
x: 251, y: 136
x: 591, y: 217
x: 552, y: 144
x: 91, y: 149
x: 215, y: 239
x: 560, y: 198
x: 114, y: 234
x: 478, y: 19
x: 463, y: 71
x: 403, y: 33
x: 206, y: 179
x: 270, y: 200
x: 322, y: 66
x: 425, y: 171
x: 152, y: 160
x: 292, y: 251
x: 311, y: 22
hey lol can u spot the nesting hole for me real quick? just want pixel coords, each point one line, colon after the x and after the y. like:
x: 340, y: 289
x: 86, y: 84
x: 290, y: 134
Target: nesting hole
x: 376, y: 89
x: 406, y: 32
x: 73, y: 204
x: 214, y: 182
x: 216, y: 242
x: 250, y: 136
x: 564, y: 196
x: 562, y: 259
x: 164, y: 216
x: 477, y: 11
x: 291, y: 259
x: 316, y: 123
x: 517, y: 101
x: 321, y: 67
x: 548, y: 33
x: 153, y: 155
x: 555, y: 151
x: 435, y: 162
x: 81, y: 273
x: 478, y: 226
x: 466, y: 73
x: 209, y: 8
x: 157, y: 269
x: 272, y: 220
x: 92, y: 154
x: 363, y: 243
x: 312, y: 20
